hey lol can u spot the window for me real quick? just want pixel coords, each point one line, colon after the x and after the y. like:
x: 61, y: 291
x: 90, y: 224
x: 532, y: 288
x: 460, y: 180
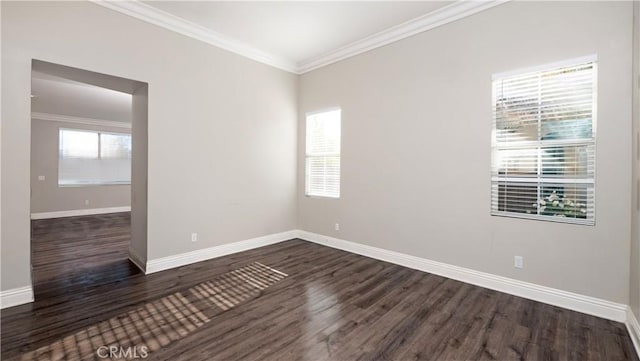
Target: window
x: 543, y: 143
x: 322, y: 175
x: 93, y: 158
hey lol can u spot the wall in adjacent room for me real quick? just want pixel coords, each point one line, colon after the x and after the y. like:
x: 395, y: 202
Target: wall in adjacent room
x: 416, y: 146
x: 221, y: 128
x: 46, y: 195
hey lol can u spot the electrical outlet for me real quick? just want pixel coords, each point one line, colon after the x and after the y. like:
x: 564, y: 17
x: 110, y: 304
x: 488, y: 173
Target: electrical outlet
x: 41, y: 177
x: 194, y: 237
x: 337, y: 226
x: 86, y: 202
x: 518, y: 262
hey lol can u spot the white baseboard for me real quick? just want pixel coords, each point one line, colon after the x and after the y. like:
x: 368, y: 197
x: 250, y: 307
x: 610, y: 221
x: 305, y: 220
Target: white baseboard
x: 569, y: 300
x: 634, y: 329
x: 136, y: 259
x: 16, y: 296
x: 165, y: 263
x: 79, y: 212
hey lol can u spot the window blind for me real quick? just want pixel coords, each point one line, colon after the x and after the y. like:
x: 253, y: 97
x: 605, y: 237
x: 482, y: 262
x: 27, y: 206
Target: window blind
x: 543, y: 143
x: 322, y: 174
x: 93, y: 158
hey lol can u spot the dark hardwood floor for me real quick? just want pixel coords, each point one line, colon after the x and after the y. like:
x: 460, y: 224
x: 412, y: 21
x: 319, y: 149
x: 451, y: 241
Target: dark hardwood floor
x: 71, y: 253
x: 290, y: 301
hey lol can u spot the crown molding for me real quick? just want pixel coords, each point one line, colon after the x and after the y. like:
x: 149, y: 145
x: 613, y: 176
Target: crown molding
x: 436, y: 18
x: 80, y: 120
x: 150, y: 14
x: 439, y: 17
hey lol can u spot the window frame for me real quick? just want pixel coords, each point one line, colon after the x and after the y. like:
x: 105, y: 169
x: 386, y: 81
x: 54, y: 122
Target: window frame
x: 98, y: 158
x: 307, y: 155
x: 540, y: 181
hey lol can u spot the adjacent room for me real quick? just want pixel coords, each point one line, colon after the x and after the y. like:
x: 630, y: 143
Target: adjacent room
x: 308, y: 180
x: 81, y: 181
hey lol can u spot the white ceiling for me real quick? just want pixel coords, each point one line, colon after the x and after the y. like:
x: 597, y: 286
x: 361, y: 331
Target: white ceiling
x: 60, y: 96
x: 299, y: 36
x: 297, y: 31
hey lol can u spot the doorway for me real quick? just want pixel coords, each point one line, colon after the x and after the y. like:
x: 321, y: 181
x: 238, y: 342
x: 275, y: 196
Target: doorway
x: 88, y: 178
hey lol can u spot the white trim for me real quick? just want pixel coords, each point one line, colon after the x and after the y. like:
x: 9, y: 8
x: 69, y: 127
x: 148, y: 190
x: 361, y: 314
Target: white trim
x: 439, y: 17
x: 634, y: 329
x: 165, y: 263
x: 324, y: 110
x: 80, y: 120
x: 569, y: 300
x: 79, y: 212
x: 16, y: 296
x: 150, y: 14
x: 593, y: 58
x: 137, y: 260
x: 433, y: 19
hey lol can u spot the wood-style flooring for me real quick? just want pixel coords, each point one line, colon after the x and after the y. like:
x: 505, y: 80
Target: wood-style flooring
x: 71, y: 253
x: 291, y: 301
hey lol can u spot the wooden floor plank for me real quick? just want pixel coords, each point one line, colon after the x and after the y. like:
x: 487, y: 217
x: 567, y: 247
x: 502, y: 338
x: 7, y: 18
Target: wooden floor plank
x: 290, y: 301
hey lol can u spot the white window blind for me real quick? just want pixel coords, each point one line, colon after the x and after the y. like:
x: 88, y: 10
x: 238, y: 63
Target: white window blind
x: 93, y: 158
x: 543, y: 143
x: 322, y: 175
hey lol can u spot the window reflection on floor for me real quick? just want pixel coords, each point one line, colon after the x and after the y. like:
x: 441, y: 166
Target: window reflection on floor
x: 158, y: 323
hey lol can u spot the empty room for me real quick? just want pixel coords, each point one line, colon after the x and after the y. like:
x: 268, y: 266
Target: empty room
x: 320, y: 180
x: 81, y: 156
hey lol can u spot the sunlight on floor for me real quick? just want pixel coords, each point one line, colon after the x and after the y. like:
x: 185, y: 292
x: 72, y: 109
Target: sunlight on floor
x: 158, y: 323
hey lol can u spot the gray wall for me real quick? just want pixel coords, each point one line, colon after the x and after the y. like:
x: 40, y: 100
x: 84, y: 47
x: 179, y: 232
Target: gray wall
x: 222, y: 128
x: 416, y: 138
x: 416, y: 146
x: 46, y: 196
x: 139, y: 180
x: 634, y: 279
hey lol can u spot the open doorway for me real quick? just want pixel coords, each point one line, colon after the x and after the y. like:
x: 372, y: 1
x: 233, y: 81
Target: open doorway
x: 88, y: 178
